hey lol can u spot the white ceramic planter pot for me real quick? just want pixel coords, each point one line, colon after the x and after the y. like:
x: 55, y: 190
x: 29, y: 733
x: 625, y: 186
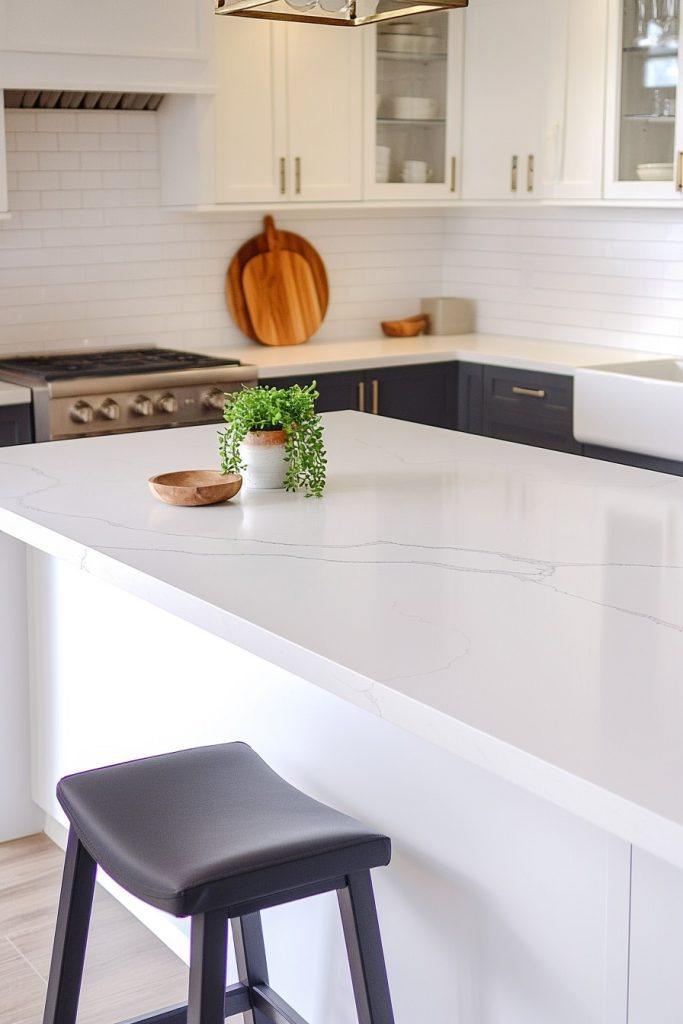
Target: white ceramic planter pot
x: 263, y: 452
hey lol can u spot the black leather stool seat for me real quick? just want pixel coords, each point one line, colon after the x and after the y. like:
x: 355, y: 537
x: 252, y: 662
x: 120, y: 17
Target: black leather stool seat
x: 211, y: 827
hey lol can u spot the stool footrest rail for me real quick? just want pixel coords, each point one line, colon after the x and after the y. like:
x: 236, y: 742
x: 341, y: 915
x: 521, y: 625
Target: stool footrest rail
x: 238, y: 999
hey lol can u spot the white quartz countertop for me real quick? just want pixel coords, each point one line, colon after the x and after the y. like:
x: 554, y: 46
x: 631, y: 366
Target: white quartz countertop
x: 12, y: 394
x: 519, y: 607
x: 327, y: 356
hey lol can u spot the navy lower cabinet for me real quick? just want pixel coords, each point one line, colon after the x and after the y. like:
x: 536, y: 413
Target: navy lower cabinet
x: 421, y: 393
x: 525, y: 406
x: 594, y: 451
x: 15, y: 425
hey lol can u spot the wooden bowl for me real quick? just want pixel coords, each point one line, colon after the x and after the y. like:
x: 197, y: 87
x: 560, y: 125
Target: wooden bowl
x: 409, y: 327
x: 195, y: 487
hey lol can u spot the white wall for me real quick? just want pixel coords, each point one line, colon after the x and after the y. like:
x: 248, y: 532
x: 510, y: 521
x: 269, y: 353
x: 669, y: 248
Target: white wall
x: 89, y: 253
x: 600, y: 276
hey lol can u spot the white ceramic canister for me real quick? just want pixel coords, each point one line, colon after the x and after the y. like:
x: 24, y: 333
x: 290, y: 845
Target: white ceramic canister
x: 263, y: 452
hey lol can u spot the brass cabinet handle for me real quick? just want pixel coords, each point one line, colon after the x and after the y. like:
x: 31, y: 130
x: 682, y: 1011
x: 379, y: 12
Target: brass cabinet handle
x: 513, y: 174
x: 530, y: 172
x: 679, y: 171
x: 297, y: 174
x: 529, y: 392
x: 454, y: 166
x: 283, y: 176
x: 361, y: 396
x: 375, y: 397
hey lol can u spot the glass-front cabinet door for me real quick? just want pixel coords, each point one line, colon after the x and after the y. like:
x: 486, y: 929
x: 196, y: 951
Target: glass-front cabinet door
x: 644, y: 143
x: 413, y: 127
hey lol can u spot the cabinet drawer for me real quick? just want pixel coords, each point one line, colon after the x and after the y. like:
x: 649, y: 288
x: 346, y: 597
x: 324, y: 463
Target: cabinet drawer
x: 15, y: 425
x: 529, y: 407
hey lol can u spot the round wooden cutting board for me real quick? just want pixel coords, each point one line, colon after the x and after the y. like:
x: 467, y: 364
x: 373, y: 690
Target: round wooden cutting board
x: 310, y: 291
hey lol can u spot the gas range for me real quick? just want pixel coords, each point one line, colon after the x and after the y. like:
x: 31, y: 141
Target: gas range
x: 84, y: 393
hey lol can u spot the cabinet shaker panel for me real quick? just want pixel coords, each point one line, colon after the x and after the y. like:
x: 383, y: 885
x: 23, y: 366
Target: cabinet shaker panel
x: 251, y: 139
x: 324, y: 130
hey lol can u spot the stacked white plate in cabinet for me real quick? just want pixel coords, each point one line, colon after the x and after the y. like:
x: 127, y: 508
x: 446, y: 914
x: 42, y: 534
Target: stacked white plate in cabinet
x: 413, y: 108
x: 409, y: 44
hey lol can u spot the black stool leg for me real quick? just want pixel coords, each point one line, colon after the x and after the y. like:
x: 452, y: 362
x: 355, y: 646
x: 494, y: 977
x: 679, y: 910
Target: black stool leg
x: 208, y: 952
x: 364, y: 948
x: 71, y: 934
x: 250, y: 953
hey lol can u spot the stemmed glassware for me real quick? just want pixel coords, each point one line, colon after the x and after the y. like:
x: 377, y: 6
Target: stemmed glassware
x: 657, y: 23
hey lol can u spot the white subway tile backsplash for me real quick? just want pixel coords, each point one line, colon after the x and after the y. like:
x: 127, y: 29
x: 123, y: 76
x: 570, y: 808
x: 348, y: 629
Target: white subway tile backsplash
x: 137, y: 121
x: 20, y: 121
x: 599, y: 276
x: 96, y: 121
x: 23, y: 161
x: 121, y: 142
x: 31, y: 181
x: 78, y: 142
x: 139, y: 162
x: 56, y: 121
x: 81, y: 179
x: 58, y: 161
x: 36, y: 141
x: 55, y: 200
x: 99, y: 161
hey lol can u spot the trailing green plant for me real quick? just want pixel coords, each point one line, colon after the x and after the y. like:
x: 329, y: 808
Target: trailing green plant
x: 289, y: 409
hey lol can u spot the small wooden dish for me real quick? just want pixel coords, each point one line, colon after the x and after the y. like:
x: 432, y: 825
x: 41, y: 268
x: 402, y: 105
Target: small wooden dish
x: 195, y: 487
x: 409, y: 327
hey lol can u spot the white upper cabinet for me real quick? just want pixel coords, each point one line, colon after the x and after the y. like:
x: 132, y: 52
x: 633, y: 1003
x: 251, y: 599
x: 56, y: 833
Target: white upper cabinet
x: 572, y: 164
x: 250, y: 113
x: 150, y: 45
x: 506, y: 72
x: 413, y: 107
x: 644, y: 135
x: 324, y: 118
x: 288, y: 112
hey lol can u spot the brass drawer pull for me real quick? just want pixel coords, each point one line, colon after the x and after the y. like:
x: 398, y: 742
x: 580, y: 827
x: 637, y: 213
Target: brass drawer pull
x: 283, y: 178
x: 375, y: 397
x: 530, y: 172
x: 454, y: 172
x: 361, y: 396
x: 529, y: 392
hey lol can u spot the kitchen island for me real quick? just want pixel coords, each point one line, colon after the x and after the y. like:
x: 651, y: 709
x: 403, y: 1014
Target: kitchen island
x: 473, y: 645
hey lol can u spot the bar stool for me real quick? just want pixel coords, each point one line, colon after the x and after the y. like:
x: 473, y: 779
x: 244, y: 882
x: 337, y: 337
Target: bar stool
x: 214, y: 834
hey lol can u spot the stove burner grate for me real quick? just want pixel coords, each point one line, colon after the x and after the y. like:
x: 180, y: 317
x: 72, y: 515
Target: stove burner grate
x: 110, y: 363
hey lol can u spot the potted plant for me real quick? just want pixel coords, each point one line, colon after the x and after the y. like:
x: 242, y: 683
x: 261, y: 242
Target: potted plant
x: 275, y: 435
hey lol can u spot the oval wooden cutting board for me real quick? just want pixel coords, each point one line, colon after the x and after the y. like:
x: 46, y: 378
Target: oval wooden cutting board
x: 286, y: 241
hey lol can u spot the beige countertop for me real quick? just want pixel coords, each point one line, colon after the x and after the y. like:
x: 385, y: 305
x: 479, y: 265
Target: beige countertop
x: 497, y: 350
x: 12, y: 394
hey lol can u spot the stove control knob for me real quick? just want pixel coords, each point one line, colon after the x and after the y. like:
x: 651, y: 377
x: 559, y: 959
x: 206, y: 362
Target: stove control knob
x: 82, y: 412
x: 167, y: 403
x: 142, y: 406
x: 109, y: 410
x: 214, y: 399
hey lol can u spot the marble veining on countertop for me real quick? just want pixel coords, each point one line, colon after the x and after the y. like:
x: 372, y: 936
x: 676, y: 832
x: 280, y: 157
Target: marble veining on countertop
x: 327, y: 356
x: 520, y: 607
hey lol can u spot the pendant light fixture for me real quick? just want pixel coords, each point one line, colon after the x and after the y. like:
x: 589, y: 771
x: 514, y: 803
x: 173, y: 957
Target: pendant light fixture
x: 350, y: 13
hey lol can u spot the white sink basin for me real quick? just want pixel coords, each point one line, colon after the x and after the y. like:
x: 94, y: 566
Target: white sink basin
x: 637, y: 407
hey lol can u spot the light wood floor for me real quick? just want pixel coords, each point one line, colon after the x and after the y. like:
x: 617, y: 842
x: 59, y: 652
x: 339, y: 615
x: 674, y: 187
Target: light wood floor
x: 127, y: 971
